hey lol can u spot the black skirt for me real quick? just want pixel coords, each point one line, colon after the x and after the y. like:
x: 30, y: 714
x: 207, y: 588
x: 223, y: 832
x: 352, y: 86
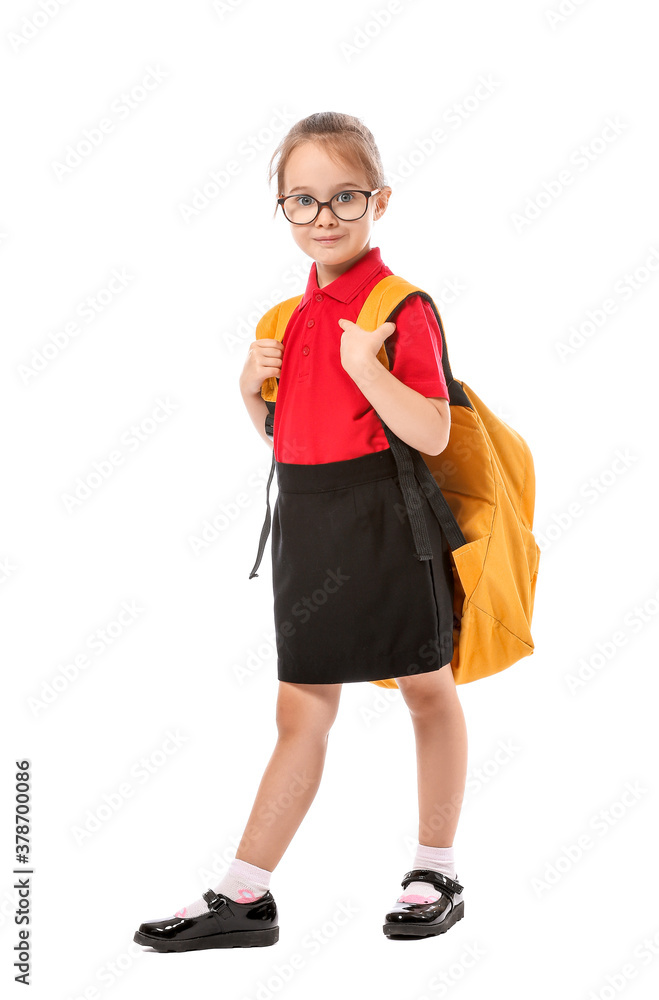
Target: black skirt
x: 351, y: 600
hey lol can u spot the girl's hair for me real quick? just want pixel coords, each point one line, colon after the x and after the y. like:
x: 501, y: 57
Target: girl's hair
x: 343, y: 137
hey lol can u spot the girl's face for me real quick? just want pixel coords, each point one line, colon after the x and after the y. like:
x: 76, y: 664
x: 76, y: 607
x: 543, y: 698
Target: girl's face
x: 311, y: 171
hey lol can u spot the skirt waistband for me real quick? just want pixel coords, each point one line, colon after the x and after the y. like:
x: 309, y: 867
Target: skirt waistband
x: 294, y: 478
x: 414, y: 477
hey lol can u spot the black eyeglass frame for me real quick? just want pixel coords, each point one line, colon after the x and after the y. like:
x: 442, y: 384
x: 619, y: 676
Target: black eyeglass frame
x: 322, y: 204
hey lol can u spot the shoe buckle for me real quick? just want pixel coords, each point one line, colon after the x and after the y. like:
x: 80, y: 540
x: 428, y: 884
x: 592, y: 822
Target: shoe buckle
x: 217, y: 904
x: 440, y: 881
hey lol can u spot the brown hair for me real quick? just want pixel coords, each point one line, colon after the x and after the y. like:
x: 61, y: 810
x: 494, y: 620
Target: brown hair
x: 343, y: 137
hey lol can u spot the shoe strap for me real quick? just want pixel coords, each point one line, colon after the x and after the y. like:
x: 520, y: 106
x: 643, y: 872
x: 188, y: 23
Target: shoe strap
x: 217, y: 904
x: 440, y: 881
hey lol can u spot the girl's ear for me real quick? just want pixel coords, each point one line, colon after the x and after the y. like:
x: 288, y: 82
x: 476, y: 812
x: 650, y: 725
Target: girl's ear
x: 381, y: 202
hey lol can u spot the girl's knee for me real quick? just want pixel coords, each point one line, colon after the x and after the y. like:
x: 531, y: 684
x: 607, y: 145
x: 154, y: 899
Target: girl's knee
x: 428, y: 693
x: 308, y: 709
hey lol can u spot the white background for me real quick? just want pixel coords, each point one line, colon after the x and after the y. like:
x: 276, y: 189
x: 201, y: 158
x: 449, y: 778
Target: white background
x: 179, y: 331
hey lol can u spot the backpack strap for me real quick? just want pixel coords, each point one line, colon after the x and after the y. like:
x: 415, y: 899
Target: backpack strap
x: 384, y: 301
x: 272, y: 325
x: 382, y: 304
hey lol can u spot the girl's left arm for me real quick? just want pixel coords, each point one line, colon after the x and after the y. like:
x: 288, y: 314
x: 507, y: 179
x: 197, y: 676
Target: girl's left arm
x: 424, y: 422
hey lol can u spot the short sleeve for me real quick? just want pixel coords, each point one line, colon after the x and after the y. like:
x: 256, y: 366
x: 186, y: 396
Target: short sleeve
x: 415, y: 348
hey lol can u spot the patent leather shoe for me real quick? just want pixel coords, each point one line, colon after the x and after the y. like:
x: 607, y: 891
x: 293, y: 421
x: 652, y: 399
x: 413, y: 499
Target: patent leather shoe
x: 227, y: 924
x: 407, y: 920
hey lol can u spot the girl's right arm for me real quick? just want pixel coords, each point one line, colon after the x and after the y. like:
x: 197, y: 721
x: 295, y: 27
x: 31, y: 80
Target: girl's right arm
x: 258, y: 411
x: 263, y: 361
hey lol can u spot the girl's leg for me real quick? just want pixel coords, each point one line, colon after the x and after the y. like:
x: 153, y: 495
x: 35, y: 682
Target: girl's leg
x: 305, y: 714
x: 441, y: 748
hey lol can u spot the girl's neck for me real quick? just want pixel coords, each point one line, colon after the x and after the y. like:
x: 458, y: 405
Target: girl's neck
x: 325, y: 274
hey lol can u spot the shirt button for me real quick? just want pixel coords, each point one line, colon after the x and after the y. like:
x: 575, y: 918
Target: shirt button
x: 311, y: 322
x: 305, y: 349
x: 319, y: 298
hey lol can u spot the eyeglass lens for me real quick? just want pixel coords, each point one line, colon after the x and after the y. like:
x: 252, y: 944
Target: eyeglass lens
x: 347, y: 205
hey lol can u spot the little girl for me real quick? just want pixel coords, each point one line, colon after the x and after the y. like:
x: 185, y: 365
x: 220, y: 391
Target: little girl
x: 351, y: 601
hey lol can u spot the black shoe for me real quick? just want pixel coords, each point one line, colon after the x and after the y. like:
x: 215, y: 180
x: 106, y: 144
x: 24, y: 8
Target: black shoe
x: 226, y: 925
x: 424, y: 919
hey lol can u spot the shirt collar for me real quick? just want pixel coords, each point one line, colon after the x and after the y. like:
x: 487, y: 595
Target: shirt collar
x: 349, y: 284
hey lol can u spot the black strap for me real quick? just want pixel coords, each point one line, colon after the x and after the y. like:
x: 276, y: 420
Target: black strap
x: 217, y: 904
x: 457, y: 395
x: 265, y: 530
x: 410, y: 491
x: 411, y: 467
x: 440, y: 881
x: 438, y: 502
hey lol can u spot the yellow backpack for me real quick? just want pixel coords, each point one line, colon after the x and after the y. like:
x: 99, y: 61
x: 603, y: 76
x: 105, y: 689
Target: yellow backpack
x: 481, y: 489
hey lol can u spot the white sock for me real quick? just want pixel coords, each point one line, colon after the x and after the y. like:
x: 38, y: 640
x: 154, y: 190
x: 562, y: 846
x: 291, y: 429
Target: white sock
x: 437, y: 859
x: 243, y: 883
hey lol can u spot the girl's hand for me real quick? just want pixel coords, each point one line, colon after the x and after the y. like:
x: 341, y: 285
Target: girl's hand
x: 359, y: 348
x: 263, y: 361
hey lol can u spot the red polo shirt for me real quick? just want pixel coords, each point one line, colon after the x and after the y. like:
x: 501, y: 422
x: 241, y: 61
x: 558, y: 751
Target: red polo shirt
x: 321, y: 415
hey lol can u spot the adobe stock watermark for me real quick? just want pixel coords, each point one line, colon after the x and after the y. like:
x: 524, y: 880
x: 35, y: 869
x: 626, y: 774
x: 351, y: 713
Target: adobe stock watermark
x: 120, y: 109
x: 367, y: 32
x: 450, y: 291
x: 267, y: 815
x: 562, y: 12
x: 248, y: 149
x: 224, y: 7
x: 110, y: 973
x: 380, y: 704
x: 635, y: 620
x: 282, y: 973
x: 453, y: 119
x: 601, y: 823
x: 219, y: 864
x: 215, y: 869
x: 309, y: 604
x: 481, y: 775
x: 624, y: 288
x: 435, y: 650
x: 441, y: 982
x: 140, y: 773
x: 7, y: 570
x: 33, y: 24
x: 256, y: 658
x: 430, y: 653
x: 99, y: 641
x: 478, y: 777
x: 244, y: 330
x: 443, y: 814
x: 616, y: 982
x: 8, y: 907
x: 579, y: 161
x: 88, y: 310
x: 130, y: 441
x: 592, y: 492
x: 227, y: 513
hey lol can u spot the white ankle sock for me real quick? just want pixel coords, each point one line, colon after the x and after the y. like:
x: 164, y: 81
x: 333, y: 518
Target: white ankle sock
x: 243, y: 883
x: 437, y: 859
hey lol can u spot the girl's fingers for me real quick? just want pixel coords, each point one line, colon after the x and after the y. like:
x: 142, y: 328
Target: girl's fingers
x: 271, y: 350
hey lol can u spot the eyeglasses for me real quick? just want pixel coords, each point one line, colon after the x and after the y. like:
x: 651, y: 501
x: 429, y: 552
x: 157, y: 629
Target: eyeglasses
x: 301, y: 209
